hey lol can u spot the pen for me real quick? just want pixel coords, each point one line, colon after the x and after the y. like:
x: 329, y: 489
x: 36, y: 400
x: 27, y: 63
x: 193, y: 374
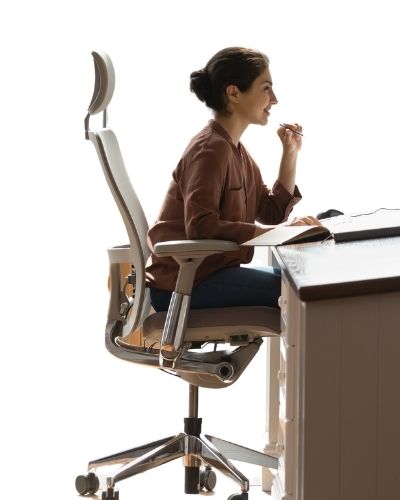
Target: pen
x: 289, y: 128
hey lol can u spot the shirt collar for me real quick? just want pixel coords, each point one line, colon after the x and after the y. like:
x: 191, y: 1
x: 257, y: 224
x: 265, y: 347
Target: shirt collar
x: 221, y: 131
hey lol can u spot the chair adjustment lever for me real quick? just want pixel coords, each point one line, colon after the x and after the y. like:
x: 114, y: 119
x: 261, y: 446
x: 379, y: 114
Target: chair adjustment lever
x: 131, y: 278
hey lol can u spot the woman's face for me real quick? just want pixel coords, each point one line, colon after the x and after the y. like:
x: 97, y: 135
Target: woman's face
x: 254, y: 104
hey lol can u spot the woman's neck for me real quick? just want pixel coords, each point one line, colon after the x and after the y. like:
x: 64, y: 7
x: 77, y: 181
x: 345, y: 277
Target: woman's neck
x: 232, y: 125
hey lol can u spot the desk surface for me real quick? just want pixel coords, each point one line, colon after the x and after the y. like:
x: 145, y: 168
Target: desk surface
x: 327, y: 269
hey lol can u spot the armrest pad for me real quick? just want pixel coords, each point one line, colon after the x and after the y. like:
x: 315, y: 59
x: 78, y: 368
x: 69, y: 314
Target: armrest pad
x: 120, y: 254
x: 193, y: 248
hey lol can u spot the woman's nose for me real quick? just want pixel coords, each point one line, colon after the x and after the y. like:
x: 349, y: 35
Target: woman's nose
x: 274, y: 100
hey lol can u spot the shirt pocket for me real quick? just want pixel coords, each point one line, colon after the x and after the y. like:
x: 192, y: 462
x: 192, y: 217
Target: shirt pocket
x: 233, y: 204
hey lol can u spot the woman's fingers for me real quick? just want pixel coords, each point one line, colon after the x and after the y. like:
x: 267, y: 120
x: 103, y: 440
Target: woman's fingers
x: 309, y: 220
x: 294, y: 127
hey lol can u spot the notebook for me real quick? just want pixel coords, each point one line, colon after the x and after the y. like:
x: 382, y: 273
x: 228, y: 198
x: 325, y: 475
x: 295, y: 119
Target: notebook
x: 378, y: 224
x: 287, y: 235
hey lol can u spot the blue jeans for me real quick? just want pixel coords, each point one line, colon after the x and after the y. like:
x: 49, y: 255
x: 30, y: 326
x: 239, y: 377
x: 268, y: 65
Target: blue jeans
x: 231, y: 287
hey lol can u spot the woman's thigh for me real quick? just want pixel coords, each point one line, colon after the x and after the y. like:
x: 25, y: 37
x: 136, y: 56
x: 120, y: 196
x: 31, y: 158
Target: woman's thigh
x: 231, y: 287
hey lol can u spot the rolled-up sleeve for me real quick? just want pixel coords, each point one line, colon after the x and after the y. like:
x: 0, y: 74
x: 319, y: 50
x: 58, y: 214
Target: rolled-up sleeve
x: 276, y: 204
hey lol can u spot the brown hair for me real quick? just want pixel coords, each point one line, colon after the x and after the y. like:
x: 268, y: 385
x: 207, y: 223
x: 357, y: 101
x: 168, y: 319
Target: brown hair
x: 231, y: 66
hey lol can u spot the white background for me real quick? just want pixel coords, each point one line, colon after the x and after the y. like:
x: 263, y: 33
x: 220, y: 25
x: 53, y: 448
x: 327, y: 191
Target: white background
x: 64, y: 399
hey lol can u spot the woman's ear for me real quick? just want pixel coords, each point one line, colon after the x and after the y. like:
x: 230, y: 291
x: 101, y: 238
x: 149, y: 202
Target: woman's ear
x: 232, y: 93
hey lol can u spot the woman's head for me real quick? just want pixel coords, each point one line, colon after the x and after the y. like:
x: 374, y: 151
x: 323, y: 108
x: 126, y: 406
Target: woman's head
x: 231, y: 66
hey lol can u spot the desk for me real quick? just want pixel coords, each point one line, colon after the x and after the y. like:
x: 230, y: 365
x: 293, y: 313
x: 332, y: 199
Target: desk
x: 339, y: 375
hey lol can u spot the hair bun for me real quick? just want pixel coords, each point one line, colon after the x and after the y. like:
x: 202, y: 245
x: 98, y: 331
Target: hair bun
x: 200, y: 84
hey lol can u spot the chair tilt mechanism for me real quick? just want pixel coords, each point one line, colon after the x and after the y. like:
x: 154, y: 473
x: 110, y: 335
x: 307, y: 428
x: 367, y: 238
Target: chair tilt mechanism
x: 204, y: 347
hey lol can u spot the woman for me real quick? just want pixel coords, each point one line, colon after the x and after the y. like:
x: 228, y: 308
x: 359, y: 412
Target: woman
x: 217, y: 191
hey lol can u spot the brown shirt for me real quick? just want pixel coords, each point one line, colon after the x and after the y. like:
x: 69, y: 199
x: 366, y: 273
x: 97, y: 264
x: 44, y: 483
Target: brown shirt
x: 216, y: 193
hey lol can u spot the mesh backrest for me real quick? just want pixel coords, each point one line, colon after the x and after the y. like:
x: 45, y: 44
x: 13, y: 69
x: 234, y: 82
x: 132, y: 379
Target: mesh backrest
x: 109, y: 153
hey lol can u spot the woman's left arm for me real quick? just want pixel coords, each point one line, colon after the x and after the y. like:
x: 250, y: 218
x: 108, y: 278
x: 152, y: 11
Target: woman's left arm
x: 291, y: 143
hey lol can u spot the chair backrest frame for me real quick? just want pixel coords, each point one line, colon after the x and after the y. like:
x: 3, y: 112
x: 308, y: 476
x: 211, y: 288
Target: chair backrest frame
x: 109, y: 154
x: 108, y: 150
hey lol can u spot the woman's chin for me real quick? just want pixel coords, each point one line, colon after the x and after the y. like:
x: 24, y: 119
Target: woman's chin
x: 260, y: 120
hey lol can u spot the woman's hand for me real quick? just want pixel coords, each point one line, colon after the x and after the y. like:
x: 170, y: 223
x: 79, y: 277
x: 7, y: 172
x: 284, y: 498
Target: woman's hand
x: 291, y: 141
x: 309, y: 220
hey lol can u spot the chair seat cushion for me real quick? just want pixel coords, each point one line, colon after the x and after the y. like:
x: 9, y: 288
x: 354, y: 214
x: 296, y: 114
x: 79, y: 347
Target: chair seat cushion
x: 220, y: 323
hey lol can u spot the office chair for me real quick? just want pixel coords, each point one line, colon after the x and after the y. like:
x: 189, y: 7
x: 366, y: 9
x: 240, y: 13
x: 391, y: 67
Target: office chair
x: 177, y: 341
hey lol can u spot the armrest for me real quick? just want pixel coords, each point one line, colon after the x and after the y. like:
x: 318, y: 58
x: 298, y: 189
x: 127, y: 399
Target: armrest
x: 120, y: 254
x: 189, y: 254
x: 194, y: 248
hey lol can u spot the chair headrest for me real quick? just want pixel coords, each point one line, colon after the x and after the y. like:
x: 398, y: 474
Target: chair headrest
x: 104, y: 82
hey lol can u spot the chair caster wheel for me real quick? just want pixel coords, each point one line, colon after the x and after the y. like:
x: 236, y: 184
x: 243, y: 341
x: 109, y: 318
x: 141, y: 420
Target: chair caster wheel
x: 237, y: 496
x: 87, y: 485
x: 110, y: 494
x: 208, y: 479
